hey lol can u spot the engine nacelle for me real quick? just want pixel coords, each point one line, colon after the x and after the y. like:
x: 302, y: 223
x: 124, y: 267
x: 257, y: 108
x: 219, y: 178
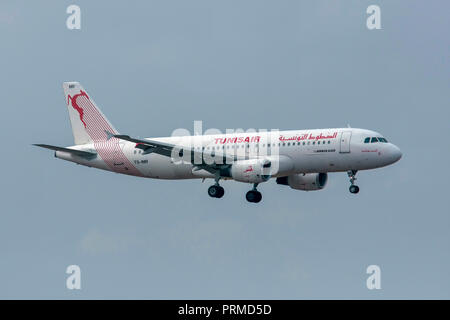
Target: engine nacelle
x: 252, y: 170
x: 305, y: 182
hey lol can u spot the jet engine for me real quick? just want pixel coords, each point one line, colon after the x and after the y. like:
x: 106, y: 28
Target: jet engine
x: 305, y: 181
x: 251, y: 171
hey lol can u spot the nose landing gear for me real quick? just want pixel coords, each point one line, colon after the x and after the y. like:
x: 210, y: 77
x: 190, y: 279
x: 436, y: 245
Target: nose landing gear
x: 353, y: 189
x: 352, y: 175
x: 254, y: 195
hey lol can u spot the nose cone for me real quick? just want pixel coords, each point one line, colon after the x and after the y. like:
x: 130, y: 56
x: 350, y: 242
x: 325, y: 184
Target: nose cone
x: 394, y: 153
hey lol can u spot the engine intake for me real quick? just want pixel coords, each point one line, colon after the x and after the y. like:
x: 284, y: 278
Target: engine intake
x: 305, y: 182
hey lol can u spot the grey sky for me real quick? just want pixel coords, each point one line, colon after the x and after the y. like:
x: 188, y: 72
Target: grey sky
x: 154, y: 66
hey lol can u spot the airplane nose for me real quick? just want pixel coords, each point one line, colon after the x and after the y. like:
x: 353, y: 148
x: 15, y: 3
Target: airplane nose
x: 395, y: 153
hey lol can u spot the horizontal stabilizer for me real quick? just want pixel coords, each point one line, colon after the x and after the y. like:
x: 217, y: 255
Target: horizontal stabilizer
x: 83, y: 154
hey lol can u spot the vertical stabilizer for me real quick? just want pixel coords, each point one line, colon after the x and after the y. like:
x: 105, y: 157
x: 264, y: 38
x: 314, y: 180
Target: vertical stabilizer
x: 88, y: 123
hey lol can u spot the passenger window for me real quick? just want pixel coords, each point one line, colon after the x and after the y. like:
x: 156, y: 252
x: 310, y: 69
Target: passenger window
x: 374, y: 139
x: 367, y: 140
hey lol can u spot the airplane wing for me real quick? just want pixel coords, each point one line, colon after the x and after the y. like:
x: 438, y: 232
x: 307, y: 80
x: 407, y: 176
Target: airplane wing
x: 149, y: 146
x: 166, y: 149
x: 83, y: 154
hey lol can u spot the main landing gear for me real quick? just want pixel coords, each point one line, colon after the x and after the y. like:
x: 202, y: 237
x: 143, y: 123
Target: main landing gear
x: 353, y: 188
x: 254, y: 195
x: 216, y: 191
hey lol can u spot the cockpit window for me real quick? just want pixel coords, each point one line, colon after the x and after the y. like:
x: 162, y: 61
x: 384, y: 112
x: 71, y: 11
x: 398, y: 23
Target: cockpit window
x: 375, y: 139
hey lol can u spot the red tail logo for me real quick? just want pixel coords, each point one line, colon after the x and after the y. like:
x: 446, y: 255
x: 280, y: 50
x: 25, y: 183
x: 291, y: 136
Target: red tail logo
x: 76, y: 106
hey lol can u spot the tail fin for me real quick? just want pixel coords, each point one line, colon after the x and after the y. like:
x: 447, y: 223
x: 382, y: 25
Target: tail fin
x: 88, y: 122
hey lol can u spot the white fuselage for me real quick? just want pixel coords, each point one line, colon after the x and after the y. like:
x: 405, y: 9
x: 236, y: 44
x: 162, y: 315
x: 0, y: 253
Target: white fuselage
x: 298, y: 151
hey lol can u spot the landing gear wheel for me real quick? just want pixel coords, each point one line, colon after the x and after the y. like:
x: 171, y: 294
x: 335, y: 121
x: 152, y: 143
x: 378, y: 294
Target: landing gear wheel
x: 216, y: 191
x: 354, y: 189
x: 253, y: 196
x: 352, y: 175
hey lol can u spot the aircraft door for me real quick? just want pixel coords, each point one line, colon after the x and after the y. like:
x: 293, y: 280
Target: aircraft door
x: 345, y: 141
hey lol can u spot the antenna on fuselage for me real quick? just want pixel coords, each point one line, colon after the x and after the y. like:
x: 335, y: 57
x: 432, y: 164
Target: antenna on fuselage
x: 348, y: 125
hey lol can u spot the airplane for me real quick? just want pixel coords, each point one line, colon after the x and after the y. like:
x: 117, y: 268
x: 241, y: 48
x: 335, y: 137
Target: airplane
x: 300, y: 159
